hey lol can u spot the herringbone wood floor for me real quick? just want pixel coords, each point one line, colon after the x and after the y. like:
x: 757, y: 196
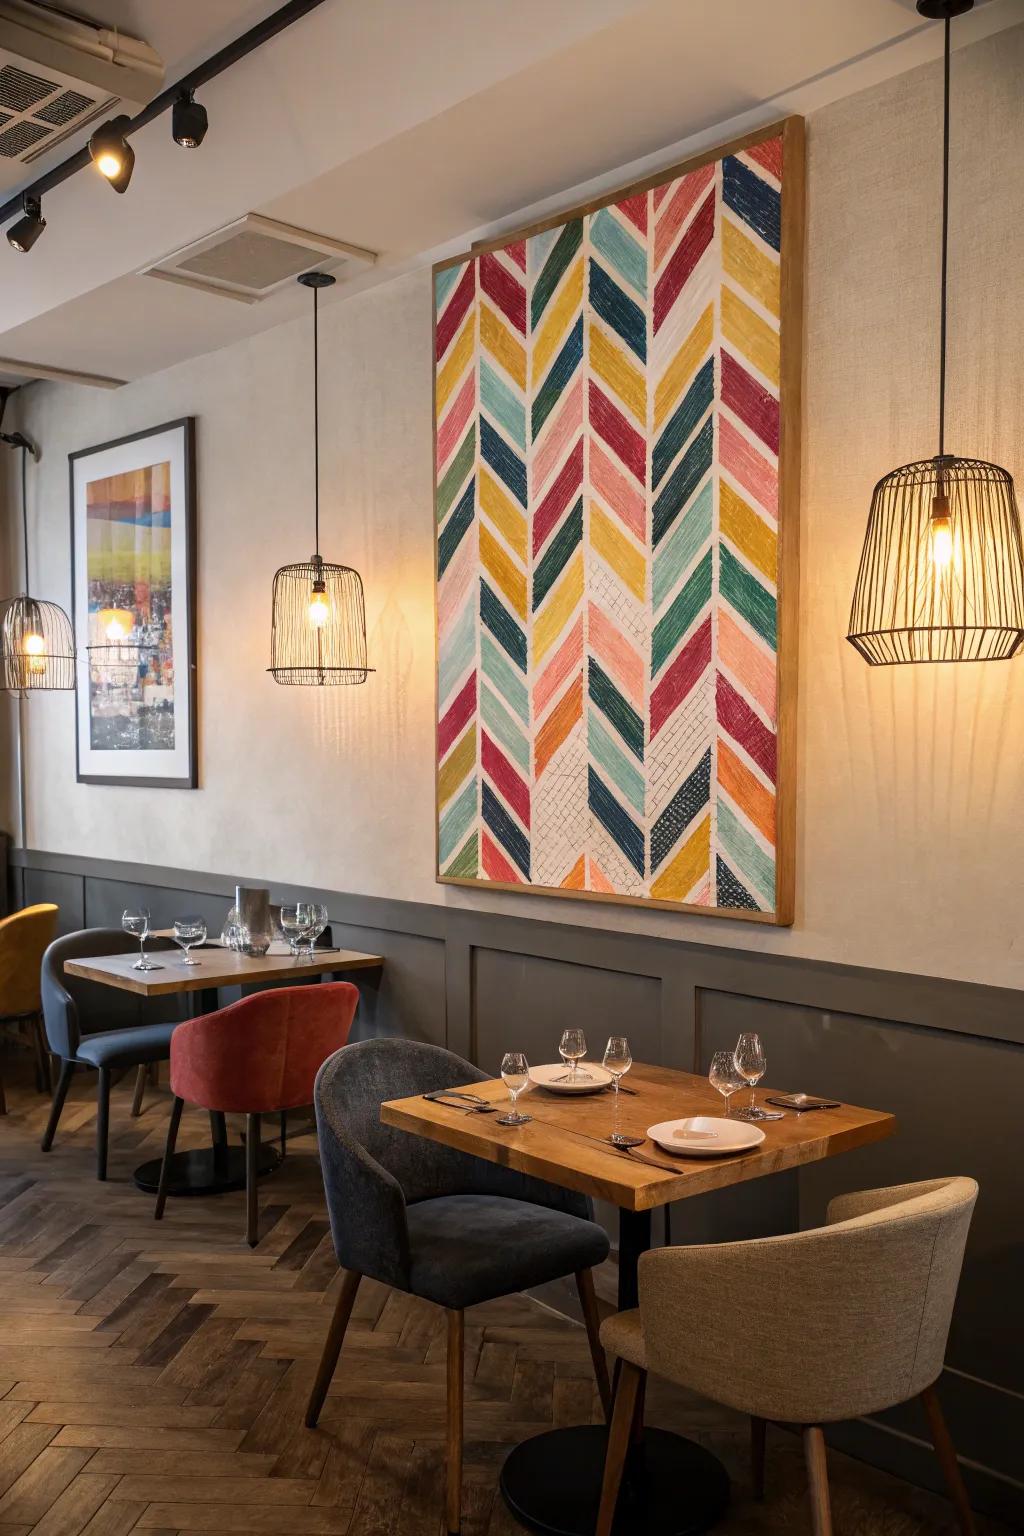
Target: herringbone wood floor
x: 152, y: 1378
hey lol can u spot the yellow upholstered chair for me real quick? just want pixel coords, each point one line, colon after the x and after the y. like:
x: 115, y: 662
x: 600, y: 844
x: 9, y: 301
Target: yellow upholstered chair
x: 814, y: 1327
x: 23, y: 938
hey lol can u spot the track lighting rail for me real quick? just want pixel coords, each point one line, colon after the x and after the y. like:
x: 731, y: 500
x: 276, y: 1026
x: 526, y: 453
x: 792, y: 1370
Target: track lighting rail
x: 278, y: 21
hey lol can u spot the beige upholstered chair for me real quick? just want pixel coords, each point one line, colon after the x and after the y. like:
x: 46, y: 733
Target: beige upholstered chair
x: 813, y: 1327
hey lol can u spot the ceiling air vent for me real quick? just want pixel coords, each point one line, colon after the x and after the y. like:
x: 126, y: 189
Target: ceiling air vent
x: 58, y: 73
x: 253, y: 256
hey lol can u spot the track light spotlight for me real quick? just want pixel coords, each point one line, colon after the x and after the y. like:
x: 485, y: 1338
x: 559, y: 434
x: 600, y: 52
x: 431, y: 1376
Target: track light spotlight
x: 111, y: 153
x: 189, y: 121
x: 24, y: 233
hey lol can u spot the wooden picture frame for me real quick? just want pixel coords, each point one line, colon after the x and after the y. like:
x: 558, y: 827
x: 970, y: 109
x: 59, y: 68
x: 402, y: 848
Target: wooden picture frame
x: 782, y: 142
x: 134, y: 614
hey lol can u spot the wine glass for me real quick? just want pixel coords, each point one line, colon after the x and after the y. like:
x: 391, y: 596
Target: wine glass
x: 515, y: 1074
x: 572, y: 1048
x: 135, y: 920
x: 751, y: 1063
x: 318, y: 924
x: 618, y: 1058
x: 725, y: 1076
x: 187, y: 932
x: 295, y: 920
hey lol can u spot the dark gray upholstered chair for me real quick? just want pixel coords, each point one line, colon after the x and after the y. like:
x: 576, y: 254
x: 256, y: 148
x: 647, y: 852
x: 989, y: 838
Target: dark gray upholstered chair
x: 433, y: 1221
x: 92, y: 1025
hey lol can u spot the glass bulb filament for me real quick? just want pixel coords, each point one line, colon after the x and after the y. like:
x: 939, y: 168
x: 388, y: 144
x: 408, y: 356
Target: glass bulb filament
x: 941, y: 539
x: 34, y: 647
x: 319, y: 607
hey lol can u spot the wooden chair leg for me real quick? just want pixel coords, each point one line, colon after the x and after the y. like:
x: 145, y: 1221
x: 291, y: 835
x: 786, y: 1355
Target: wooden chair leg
x: 332, y: 1345
x: 60, y: 1093
x: 140, y: 1089
x: 758, y: 1429
x: 453, y: 1481
x: 592, y: 1319
x: 252, y: 1194
x: 817, y: 1477
x: 946, y: 1452
x: 102, y: 1121
x: 165, y: 1166
x: 627, y: 1388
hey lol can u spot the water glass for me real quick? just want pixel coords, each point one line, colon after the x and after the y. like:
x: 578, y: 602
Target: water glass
x: 189, y: 931
x: 318, y: 924
x: 135, y: 920
x: 515, y: 1074
x: 725, y: 1076
x: 572, y: 1049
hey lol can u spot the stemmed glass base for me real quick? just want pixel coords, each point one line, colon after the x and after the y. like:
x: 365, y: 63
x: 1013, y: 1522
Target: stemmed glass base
x: 753, y: 1113
x: 187, y: 961
x: 150, y: 965
x: 513, y: 1119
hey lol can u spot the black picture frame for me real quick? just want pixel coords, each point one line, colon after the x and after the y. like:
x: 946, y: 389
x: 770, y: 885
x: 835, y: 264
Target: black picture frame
x: 186, y: 425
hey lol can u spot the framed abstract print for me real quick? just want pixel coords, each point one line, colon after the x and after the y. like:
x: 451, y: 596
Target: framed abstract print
x: 133, y: 544
x: 616, y: 500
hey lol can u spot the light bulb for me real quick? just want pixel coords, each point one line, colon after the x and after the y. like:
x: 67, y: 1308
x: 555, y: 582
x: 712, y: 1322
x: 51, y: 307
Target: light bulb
x: 115, y: 630
x: 34, y: 645
x: 940, y: 533
x: 319, y: 609
x: 109, y: 165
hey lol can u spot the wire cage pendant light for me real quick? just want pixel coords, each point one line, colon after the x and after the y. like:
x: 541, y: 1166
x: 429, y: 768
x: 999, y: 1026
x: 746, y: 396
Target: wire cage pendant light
x: 941, y: 574
x: 318, y: 624
x: 37, y: 642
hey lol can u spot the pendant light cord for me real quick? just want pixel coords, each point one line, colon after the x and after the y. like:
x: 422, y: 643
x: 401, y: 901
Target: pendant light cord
x: 316, y: 418
x: 945, y: 245
x: 24, y: 512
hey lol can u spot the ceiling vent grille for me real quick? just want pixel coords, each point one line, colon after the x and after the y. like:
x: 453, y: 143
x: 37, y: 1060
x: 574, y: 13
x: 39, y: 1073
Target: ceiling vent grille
x: 38, y: 109
x: 252, y: 257
x: 59, y: 72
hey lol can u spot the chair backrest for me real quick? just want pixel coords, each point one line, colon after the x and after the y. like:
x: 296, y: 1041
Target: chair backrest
x: 23, y: 938
x: 73, y: 1006
x: 371, y: 1171
x: 263, y: 1052
x: 816, y: 1326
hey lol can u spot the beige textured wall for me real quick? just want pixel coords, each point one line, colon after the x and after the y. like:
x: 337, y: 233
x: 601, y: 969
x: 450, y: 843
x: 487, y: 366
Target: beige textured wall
x: 911, y: 835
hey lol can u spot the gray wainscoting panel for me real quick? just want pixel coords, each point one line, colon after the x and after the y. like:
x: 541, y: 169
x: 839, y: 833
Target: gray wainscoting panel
x: 524, y: 1002
x: 68, y: 891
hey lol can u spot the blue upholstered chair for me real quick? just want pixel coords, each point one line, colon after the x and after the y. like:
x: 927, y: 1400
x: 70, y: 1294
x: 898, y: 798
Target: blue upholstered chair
x: 89, y: 1024
x: 433, y: 1221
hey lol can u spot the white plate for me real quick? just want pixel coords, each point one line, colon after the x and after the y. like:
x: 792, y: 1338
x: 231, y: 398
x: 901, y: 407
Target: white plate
x: 705, y: 1136
x: 547, y: 1077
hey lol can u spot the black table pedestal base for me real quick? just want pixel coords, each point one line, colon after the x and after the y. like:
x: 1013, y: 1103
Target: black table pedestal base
x: 206, y: 1171
x: 672, y: 1487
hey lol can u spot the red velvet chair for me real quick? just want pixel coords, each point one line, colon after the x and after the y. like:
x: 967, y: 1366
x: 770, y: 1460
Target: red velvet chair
x: 256, y: 1057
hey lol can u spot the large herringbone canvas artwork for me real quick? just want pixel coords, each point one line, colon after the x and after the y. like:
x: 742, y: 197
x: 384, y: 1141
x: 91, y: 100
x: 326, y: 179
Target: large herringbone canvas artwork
x: 617, y: 458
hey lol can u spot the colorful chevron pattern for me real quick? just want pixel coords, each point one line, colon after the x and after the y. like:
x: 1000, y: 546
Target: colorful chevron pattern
x: 607, y: 470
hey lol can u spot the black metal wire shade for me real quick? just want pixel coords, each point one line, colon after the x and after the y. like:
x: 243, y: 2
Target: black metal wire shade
x: 318, y: 628
x: 942, y: 571
x: 37, y: 646
x: 941, y: 574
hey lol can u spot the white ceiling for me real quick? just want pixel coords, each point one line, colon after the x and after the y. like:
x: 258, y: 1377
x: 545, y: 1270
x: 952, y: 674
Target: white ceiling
x: 411, y: 126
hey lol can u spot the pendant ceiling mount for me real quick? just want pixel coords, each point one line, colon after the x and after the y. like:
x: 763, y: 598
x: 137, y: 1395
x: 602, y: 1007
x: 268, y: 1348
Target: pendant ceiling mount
x: 941, y: 574
x: 318, y: 624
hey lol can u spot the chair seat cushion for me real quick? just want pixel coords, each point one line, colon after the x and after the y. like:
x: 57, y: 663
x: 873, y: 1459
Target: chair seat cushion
x: 126, y: 1047
x: 470, y: 1248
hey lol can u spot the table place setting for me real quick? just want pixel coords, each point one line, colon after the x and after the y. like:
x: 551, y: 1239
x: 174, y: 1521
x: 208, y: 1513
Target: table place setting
x: 698, y: 1135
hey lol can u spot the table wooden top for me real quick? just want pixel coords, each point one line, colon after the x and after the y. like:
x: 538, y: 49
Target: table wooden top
x: 565, y: 1142
x: 215, y: 967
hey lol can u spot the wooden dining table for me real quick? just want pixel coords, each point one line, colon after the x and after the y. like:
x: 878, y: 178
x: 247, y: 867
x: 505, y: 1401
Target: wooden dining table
x: 216, y: 1169
x: 552, y: 1481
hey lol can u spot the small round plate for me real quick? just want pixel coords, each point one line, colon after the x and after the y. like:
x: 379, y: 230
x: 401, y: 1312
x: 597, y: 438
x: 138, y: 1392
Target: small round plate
x: 705, y: 1136
x: 589, y: 1079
